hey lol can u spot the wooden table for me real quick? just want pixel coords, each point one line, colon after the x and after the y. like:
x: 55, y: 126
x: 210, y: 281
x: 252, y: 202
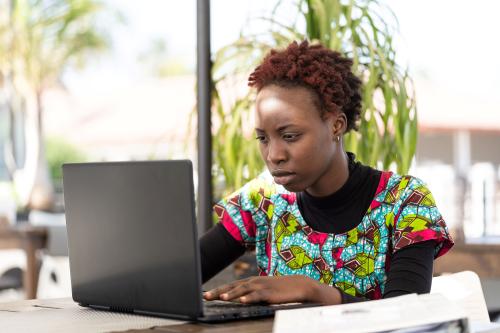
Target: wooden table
x: 63, y: 315
x: 243, y: 326
x: 30, y: 239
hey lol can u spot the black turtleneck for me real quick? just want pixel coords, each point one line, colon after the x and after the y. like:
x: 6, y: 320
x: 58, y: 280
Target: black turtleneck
x: 410, y: 267
x: 343, y: 210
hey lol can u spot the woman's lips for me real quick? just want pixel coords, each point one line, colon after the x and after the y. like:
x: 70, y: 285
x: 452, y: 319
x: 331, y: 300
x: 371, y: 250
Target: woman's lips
x: 282, y: 177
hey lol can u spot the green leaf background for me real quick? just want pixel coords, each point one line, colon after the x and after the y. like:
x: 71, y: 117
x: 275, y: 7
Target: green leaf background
x: 364, y: 32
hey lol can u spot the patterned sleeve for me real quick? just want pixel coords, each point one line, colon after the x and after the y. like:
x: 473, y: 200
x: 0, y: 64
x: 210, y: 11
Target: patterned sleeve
x: 417, y: 219
x: 239, y: 212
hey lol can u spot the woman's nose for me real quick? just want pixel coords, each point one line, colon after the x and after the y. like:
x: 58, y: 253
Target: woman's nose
x: 276, y: 154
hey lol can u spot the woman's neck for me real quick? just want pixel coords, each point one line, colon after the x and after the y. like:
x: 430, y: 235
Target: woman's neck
x: 333, y: 179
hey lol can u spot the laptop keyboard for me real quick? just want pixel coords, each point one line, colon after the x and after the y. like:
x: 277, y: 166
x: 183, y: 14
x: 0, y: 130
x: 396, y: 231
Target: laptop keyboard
x: 220, y: 307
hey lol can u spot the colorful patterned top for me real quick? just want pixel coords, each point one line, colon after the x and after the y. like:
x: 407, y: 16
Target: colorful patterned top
x: 266, y: 216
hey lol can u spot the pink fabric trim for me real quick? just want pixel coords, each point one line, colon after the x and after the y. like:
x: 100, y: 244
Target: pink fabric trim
x: 248, y: 222
x: 382, y: 184
x: 228, y: 223
x: 441, y: 237
x: 426, y: 234
x: 384, y: 179
x: 447, y: 245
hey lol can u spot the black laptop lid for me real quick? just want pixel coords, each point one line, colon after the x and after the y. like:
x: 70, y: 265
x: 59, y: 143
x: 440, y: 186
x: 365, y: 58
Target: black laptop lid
x: 132, y: 236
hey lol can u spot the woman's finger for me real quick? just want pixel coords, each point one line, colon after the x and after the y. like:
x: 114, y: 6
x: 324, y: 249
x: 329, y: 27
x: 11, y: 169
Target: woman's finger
x: 256, y: 296
x: 215, y: 293
x: 239, y: 290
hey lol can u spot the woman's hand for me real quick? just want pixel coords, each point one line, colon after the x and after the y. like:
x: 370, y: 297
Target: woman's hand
x: 276, y: 290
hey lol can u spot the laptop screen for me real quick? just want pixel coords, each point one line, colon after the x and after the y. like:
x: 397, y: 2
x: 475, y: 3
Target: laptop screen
x: 132, y: 236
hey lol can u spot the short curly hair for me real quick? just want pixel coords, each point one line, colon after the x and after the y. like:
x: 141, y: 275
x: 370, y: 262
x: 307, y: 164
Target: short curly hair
x: 323, y: 71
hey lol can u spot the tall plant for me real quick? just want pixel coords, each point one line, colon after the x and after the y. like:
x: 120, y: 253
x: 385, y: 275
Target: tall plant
x: 362, y: 30
x: 44, y: 38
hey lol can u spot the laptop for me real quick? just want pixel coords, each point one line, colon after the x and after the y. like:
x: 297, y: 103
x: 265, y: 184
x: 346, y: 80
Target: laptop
x: 133, y: 244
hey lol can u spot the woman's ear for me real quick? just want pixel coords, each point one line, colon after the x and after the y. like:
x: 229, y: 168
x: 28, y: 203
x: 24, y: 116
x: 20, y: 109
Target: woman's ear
x: 339, y: 125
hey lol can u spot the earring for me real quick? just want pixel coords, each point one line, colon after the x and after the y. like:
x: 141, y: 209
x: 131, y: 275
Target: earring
x: 338, y: 138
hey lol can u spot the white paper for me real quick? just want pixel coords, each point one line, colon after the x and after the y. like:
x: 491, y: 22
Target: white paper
x: 464, y: 289
x: 373, y: 316
x: 480, y: 327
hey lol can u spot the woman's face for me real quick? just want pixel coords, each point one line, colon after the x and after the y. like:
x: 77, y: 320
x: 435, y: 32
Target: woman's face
x: 296, y: 143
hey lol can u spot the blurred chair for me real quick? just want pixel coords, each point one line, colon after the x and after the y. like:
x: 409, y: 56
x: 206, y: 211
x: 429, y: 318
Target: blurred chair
x: 11, y: 261
x: 12, y: 279
x: 54, y: 278
x: 464, y: 288
x: 12, y: 264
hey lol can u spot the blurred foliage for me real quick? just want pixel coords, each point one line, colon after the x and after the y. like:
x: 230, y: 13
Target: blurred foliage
x: 363, y: 31
x: 159, y: 63
x: 43, y: 38
x: 39, y: 41
x: 59, y: 151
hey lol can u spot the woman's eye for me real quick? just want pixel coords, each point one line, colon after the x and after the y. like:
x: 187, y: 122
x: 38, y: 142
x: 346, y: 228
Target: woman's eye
x: 261, y: 138
x: 290, y: 137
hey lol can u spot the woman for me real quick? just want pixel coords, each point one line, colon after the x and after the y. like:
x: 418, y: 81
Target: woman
x: 327, y: 229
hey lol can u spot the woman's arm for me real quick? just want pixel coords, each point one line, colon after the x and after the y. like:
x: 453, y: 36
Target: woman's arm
x: 218, y: 249
x: 410, y: 270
